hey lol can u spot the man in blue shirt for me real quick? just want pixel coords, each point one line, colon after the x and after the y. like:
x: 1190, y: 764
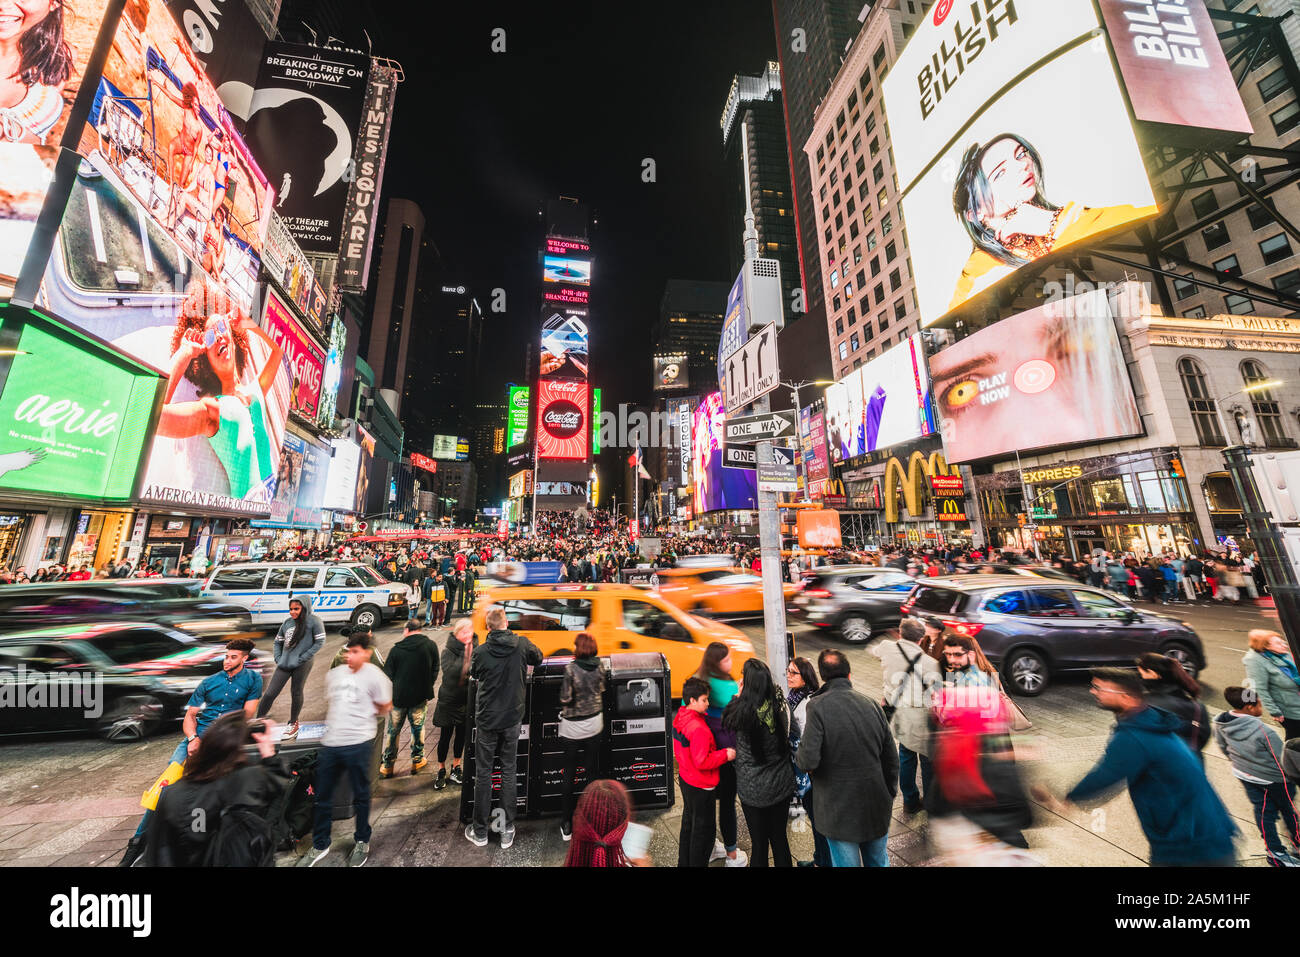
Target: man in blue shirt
x: 231, y: 688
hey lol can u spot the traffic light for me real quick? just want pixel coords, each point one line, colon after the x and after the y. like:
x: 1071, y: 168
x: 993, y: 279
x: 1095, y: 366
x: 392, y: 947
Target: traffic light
x: 1022, y: 519
x: 1176, y: 466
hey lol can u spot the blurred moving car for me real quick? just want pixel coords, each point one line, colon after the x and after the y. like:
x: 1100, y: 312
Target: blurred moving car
x: 856, y: 601
x: 340, y: 592
x: 171, y: 602
x: 120, y: 680
x: 720, y: 592
x: 1003, y: 568
x: 1033, y: 629
x: 622, y: 618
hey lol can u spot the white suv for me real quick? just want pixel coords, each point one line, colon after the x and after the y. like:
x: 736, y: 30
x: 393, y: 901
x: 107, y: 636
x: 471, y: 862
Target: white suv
x: 349, y: 592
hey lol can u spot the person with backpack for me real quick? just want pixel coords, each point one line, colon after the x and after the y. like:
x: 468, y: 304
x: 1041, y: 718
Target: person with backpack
x: 413, y: 668
x: 216, y: 814
x: 759, y: 720
x: 301, y: 635
x: 1256, y: 754
x: 910, y: 679
x: 698, y: 759
x: 582, y: 720
x: 453, y: 693
x: 1172, y: 689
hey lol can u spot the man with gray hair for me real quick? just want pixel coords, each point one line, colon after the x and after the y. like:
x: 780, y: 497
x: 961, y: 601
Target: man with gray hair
x: 910, y: 678
x: 500, y: 666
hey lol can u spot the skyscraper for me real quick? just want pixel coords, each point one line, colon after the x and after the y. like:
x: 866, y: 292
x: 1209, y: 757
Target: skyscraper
x: 393, y: 290
x: 690, y: 323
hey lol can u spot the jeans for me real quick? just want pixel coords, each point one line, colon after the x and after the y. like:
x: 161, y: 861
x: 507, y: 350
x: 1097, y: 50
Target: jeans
x: 767, y: 827
x: 699, y: 827
x: 589, y: 748
x: 352, y: 760
x: 853, y: 854
x: 821, y: 847
x: 488, y: 746
x: 907, y: 761
x: 444, y: 742
x: 396, y: 718
x: 178, y: 757
x: 1270, y: 800
x: 297, y: 681
x: 1290, y: 728
x: 726, y: 794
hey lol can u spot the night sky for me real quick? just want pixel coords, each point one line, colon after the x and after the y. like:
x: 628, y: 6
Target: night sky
x: 583, y: 93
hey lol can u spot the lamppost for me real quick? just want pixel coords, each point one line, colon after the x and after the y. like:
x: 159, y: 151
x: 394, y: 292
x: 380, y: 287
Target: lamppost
x: 1244, y: 425
x: 794, y: 387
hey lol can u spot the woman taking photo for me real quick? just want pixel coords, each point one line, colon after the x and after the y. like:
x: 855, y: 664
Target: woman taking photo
x: 449, y: 712
x: 715, y: 671
x: 581, y: 720
x: 1172, y: 689
x: 301, y: 635
x: 216, y: 776
x: 1273, y: 677
x: 764, y: 775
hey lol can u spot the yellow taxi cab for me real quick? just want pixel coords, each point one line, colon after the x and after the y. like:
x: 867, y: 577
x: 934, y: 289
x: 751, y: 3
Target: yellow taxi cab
x: 622, y: 618
x: 716, y: 591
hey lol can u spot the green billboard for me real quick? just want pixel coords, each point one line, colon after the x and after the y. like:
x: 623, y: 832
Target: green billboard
x: 518, y: 416
x: 73, y: 422
x: 595, y: 421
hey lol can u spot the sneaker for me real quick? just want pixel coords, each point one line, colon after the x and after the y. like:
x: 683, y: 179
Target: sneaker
x: 507, y: 837
x: 740, y: 860
x: 313, y: 857
x: 719, y: 852
x: 385, y: 770
x: 290, y: 732
x: 134, y: 851
x: 913, y: 806
x: 419, y: 765
x: 566, y: 831
x: 456, y: 775
x: 440, y: 781
x: 474, y: 838
x: 359, y: 854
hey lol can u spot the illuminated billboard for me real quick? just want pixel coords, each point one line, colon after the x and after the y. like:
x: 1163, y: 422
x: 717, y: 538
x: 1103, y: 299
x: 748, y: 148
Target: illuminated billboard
x: 715, y: 486
x: 562, y: 419
x: 159, y: 129
x: 341, y: 481
x: 300, y: 485
x: 564, y: 346
x: 1051, y: 376
x: 671, y: 373
x: 444, y: 447
x: 883, y: 403
x: 595, y: 421
x: 518, y: 416
x: 997, y: 170
x: 305, y: 358
x: 566, y: 270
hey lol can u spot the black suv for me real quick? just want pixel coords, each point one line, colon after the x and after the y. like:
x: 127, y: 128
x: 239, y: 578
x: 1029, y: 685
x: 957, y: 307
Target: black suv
x: 857, y: 601
x: 175, y: 603
x: 1032, y: 629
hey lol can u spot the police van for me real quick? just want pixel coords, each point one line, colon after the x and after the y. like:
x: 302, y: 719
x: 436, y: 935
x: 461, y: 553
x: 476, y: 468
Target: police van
x: 340, y: 592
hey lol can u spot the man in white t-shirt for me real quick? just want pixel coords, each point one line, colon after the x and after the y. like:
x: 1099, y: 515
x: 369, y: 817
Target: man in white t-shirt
x: 359, y: 694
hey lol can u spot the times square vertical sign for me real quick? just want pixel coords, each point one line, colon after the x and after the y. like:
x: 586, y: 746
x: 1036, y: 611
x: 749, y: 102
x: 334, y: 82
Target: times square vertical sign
x: 367, y: 172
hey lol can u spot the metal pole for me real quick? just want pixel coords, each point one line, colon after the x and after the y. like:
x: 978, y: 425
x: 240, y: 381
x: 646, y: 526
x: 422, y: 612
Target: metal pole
x: 769, y: 550
x: 1278, y: 571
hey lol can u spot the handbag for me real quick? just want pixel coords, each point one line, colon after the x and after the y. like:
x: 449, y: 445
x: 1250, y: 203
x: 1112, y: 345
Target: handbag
x: 1019, y: 720
x: 891, y: 707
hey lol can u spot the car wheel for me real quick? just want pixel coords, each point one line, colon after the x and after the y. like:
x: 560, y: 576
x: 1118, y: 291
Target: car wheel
x: 1183, y: 655
x: 855, y: 629
x: 129, y: 718
x: 367, y: 616
x: 1026, y: 673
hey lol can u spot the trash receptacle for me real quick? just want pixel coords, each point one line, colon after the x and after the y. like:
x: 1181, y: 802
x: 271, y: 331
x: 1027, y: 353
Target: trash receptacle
x: 309, y: 740
x: 547, y: 758
x: 638, y: 709
x: 521, y: 758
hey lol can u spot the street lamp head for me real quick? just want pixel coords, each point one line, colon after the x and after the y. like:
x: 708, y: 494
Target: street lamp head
x: 1261, y: 386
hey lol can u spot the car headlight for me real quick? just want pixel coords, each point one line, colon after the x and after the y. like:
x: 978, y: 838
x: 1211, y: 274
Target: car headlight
x: 211, y: 625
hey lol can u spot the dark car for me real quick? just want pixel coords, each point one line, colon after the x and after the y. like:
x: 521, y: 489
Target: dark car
x: 1025, y: 571
x: 856, y: 601
x: 172, y: 602
x: 120, y: 680
x: 1032, y: 628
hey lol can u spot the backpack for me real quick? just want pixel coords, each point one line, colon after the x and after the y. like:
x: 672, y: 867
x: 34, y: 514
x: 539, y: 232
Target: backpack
x: 291, y: 817
x: 243, y: 839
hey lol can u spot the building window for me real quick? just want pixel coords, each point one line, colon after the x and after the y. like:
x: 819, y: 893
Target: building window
x: 900, y: 310
x: 1273, y: 84
x: 875, y: 266
x: 1197, y: 313
x: 857, y: 255
x: 1275, y: 249
x: 1201, y: 403
x: 839, y: 327
x: 1238, y: 304
x: 1215, y: 236
x: 835, y: 178
x: 850, y: 205
x: 883, y: 321
x: 835, y: 279
x: 1228, y: 266
x: 1185, y: 287
x: 879, y: 293
x: 854, y: 344
x: 891, y: 251
x: 1258, y: 216
x: 878, y: 172
x: 1285, y: 119
x: 895, y: 281
x: 848, y: 290
x: 871, y: 122
x: 853, y: 230
x: 844, y: 350
x: 871, y: 240
x: 844, y: 163
x: 857, y: 144
x: 1288, y: 283
x: 836, y: 303
x: 851, y: 316
x: 1205, y: 204
x: 1268, y: 411
x: 882, y: 199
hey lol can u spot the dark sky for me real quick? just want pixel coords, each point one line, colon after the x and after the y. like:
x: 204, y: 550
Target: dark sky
x: 583, y: 93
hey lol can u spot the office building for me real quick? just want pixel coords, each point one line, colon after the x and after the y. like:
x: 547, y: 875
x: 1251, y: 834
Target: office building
x: 403, y: 244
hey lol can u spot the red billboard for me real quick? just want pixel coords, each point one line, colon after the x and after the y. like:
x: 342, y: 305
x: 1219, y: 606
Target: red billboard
x: 423, y: 462
x: 306, y: 359
x: 562, y: 419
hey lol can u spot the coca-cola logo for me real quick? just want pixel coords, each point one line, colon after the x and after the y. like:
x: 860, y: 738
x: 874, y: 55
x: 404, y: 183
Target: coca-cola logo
x: 562, y: 419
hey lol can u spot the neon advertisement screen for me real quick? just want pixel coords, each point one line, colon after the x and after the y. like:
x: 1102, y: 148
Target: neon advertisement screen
x: 715, y: 486
x: 566, y: 270
x: 883, y: 403
x: 562, y: 419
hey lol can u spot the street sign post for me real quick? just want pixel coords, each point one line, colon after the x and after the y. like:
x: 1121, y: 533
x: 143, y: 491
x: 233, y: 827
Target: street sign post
x: 751, y: 429
x: 751, y: 370
x: 773, y: 477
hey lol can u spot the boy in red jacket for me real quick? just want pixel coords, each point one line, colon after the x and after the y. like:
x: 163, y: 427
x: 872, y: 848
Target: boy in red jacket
x: 698, y: 761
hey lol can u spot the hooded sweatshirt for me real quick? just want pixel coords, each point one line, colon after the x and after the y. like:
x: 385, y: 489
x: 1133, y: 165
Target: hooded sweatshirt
x: 698, y: 759
x: 1181, y: 815
x: 500, y: 666
x: 413, y: 667
x: 1254, y: 749
x: 289, y: 654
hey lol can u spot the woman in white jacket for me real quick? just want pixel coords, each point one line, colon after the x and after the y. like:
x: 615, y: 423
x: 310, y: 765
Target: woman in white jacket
x: 910, y: 676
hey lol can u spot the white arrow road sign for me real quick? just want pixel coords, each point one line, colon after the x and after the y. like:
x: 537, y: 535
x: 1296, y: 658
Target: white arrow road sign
x: 751, y: 369
x: 747, y: 429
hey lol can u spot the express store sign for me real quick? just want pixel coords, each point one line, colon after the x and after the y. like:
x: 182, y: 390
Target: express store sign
x: 562, y: 419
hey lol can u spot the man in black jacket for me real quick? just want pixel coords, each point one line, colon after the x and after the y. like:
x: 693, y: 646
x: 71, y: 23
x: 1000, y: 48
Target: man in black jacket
x: 500, y: 666
x: 849, y: 752
x: 412, y: 666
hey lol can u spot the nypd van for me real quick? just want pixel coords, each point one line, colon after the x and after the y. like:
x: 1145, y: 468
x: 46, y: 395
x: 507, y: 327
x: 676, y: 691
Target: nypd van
x: 341, y: 592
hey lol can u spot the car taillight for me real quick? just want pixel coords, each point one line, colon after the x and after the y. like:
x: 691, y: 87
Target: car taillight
x: 968, y: 628
x: 905, y: 608
x: 817, y: 593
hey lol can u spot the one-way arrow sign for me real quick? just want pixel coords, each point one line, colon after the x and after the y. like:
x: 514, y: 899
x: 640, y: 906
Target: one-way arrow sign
x: 746, y: 456
x: 747, y: 429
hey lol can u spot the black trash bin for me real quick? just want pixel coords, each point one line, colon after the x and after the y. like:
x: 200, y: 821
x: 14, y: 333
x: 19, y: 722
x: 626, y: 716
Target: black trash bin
x: 638, y: 728
x: 308, y: 740
x: 547, y: 759
x: 521, y: 757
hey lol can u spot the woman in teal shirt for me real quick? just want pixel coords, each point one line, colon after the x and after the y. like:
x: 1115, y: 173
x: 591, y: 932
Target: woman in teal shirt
x: 716, y: 670
x: 210, y: 347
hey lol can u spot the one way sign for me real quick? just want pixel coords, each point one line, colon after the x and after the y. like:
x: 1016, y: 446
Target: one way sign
x: 756, y: 428
x: 746, y: 457
x: 751, y: 369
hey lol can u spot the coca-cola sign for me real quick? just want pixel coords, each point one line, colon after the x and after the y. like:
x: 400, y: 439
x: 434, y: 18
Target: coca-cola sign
x: 562, y: 432
x: 305, y: 358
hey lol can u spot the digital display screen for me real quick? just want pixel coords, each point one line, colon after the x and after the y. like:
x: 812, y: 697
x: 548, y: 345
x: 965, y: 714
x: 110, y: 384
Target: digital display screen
x: 566, y: 270
x: 883, y: 403
x: 562, y: 419
x: 564, y: 346
x: 715, y: 486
